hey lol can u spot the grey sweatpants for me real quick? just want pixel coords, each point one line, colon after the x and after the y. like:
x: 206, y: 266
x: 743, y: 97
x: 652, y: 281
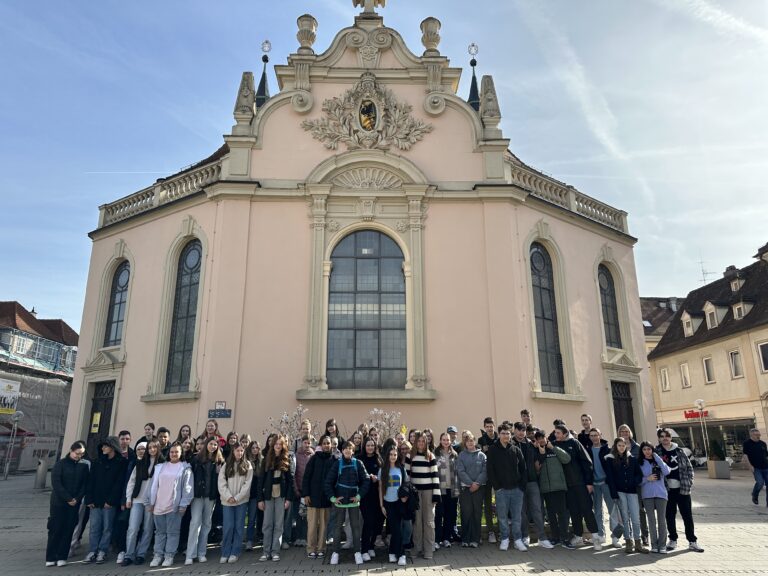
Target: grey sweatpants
x: 656, y: 510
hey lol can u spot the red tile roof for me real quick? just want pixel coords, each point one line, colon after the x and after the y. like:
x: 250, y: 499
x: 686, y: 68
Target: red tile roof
x: 14, y: 315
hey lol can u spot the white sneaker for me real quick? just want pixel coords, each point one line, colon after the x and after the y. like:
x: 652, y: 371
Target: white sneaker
x: 155, y: 561
x: 695, y: 547
x: 372, y: 554
x: 491, y: 537
x: 264, y: 558
x: 504, y: 544
x: 202, y: 559
x: 223, y: 560
x: 49, y: 564
x: 597, y: 542
x: 334, y: 559
x: 100, y: 557
x: 379, y: 542
x: 188, y: 562
x: 346, y: 546
x: 359, y: 558
x: 249, y: 545
x: 285, y: 546
x: 546, y: 544
x: 366, y: 557
x: 167, y: 562
x: 671, y: 545
x: 436, y: 546
x: 392, y: 558
x: 120, y: 558
x: 520, y: 545
x: 615, y: 542
x: 577, y: 541
x: 526, y: 540
x: 232, y: 559
x: 401, y: 561
x: 61, y: 563
x: 446, y: 544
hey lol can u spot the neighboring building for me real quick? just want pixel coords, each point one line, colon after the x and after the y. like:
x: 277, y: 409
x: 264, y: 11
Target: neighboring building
x: 37, y: 363
x: 716, y: 350
x: 657, y: 313
x: 364, y: 238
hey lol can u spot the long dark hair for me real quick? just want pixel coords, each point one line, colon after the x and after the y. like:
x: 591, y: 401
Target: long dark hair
x: 204, y: 456
x: 622, y: 458
x: 143, y: 471
x: 281, y: 462
x: 386, y: 467
x: 642, y: 456
x: 375, y: 456
x: 234, y: 467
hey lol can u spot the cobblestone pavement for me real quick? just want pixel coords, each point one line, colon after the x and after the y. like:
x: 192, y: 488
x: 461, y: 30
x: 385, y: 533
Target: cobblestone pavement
x: 730, y: 528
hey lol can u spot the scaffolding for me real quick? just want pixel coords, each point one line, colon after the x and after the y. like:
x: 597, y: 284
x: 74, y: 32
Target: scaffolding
x: 25, y: 350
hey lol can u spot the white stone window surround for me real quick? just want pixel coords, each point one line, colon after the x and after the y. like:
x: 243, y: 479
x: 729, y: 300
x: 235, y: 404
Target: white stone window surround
x: 189, y: 230
x: 762, y: 352
x: 685, y: 376
x: 366, y: 190
x: 607, y: 259
x: 736, y: 364
x: 708, y: 366
x: 664, y: 379
x: 573, y: 391
x: 690, y: 324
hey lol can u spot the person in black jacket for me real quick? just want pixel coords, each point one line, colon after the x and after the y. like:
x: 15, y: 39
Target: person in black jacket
x: 205, y: 473
x: 508, y: 475
x: 345, y: 485
x: 487, y: 437
x: 69, y: 478
x: 317, y: 503
x: 373, y: 519
x: 579, y: 477
x: 532, y: 504
x: 106, y: 486
x: 624, y: 476
x: 275, y: 487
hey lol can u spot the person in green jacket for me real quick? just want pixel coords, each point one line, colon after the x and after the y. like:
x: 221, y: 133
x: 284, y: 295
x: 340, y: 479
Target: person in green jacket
x: 549, y: 461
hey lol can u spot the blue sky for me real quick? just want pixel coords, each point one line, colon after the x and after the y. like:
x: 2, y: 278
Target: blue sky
x: 657, y: 107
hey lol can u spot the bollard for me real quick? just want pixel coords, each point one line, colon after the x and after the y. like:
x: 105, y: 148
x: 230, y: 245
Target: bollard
x: 41, y: 477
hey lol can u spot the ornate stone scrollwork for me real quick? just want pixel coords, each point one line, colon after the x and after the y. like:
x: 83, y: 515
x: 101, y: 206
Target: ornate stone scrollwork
x: 434, y: 104
x: 332, y: 226
x: 369, y: 45
x: 367, y: 116
x: 402, y: 226
x: 489, y: 102
x: 368, y: 179
x: 302, y: 101
x: 366, y: 208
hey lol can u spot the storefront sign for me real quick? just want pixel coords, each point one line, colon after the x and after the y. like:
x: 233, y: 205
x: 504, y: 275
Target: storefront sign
x: 695, y: 414
x: 10, y: 391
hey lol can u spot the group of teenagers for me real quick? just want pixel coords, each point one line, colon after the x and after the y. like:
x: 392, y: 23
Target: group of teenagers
x: 406, y: 492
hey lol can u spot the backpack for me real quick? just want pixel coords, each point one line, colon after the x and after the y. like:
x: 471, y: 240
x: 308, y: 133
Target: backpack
x: 407, y: 490
x: 352, y: 464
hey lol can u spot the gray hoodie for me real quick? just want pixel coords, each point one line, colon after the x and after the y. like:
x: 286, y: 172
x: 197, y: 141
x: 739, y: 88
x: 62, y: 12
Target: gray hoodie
x: 471, y: 467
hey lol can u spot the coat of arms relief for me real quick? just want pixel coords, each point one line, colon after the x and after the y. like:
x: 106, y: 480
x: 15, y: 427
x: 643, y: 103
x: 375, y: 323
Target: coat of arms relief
x: 367, y: 116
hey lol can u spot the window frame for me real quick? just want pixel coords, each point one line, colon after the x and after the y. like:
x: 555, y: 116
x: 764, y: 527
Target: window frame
x: 685, y: 375
x: 555, y: 347
x: 712, y: 319
x: 688, y: 328
x: 763, y: 364
x: 609, y: 308
x: 117, y: 309
x: 664, y: 379
x: 709, y: 373
x: 735, y: 353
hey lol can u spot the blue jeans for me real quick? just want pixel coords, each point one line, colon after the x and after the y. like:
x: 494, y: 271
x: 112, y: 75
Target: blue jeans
x: 140, y: 518
x: 232, y: 532
x: 630, y: 515
x: 509, y: 508
x: 100, y: 534
x: 199, y: 527
x: 167, y: 531
x: 761, y: 479
x: 600, y: 494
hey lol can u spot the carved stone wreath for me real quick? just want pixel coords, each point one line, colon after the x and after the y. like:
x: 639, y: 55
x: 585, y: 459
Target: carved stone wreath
x: 387, y: 122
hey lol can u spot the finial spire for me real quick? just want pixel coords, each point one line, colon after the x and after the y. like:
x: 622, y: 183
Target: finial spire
x: 474, y: 93
x: 369, y: 5
x: 262, y: 92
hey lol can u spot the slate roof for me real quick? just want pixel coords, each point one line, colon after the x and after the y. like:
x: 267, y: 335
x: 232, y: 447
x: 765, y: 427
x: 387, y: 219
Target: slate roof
x: 754, y: 290
x: 14, y: 315
x: 658, y: 312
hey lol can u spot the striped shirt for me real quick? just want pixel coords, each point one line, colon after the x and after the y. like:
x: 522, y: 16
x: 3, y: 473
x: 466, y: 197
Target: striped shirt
x: 423, y: 473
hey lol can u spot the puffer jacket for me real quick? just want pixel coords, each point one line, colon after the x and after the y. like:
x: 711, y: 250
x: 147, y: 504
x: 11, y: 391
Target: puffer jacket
x: 622, y: 474
x: 69, y: 479
x: 237, y: 486
x: 550, y: 469
x: 314, y: 479
x: 205, y: 479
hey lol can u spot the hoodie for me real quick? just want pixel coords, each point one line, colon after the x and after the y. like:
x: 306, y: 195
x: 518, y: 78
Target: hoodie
x: 106, y: 482
x: 680, y: 468
x: 579, y: 471
x: 506, y: 467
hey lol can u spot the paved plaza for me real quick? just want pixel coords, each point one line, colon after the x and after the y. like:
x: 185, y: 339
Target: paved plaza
x: 731, y: 529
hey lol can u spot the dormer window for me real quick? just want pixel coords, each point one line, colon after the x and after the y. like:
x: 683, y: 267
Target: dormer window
x: 714, y: 314
x: 690, y: 324
x: 736, y: 284
x: 711, y: 319
x: 738, y: 311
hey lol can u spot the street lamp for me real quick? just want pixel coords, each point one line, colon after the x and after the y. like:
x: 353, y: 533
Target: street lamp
x: 700, y: 405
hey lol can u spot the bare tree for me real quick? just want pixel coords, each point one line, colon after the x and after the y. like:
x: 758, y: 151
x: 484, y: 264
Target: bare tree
x: 289, y: 425
x: 387, y: 422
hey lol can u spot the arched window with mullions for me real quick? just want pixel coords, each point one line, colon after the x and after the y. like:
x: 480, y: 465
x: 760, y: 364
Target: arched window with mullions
x: 118, y: 299
x: 366, y: 314
x: 609, y: 308
x: 545, y: 314
x: 182, y: 340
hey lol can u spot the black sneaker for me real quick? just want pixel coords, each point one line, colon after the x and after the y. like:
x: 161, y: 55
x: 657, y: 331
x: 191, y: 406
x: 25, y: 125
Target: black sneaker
x: 567, y: 544
x: 754, y: 500
x: 139, y: 560
x: 127, y: 562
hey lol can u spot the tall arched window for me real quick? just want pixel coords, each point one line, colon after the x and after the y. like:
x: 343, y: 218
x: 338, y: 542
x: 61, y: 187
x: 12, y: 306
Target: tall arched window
x: 608, y: 304
x: 184, y: 316
x: 366, y: 313
x: 545, y: 314
x: 118, y: 297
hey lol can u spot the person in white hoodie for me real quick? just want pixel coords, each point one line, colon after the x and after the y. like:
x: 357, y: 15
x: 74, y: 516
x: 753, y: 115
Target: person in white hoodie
x: 235, y: 479
x: 136, y: 499
x: 169, y: 496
